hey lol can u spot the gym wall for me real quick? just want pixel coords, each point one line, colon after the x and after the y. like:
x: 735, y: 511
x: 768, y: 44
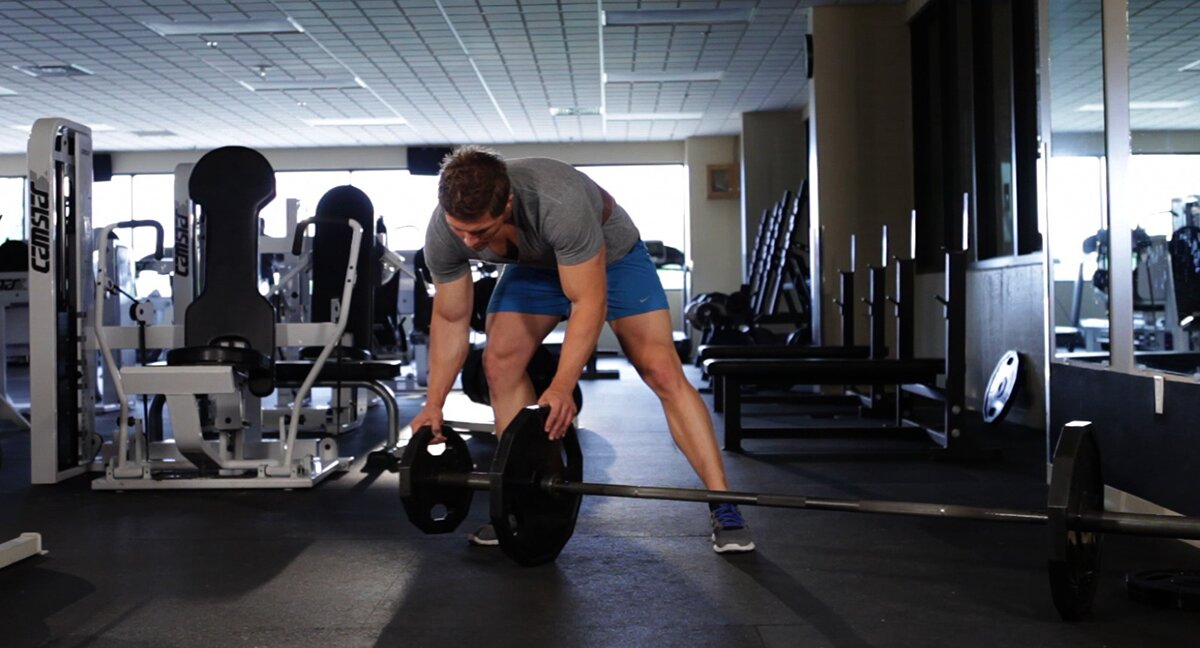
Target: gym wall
x: 714, y: 224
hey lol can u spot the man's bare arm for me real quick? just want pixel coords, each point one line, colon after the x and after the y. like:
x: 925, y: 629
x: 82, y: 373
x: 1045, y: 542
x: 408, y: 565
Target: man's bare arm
x: 584, y: 285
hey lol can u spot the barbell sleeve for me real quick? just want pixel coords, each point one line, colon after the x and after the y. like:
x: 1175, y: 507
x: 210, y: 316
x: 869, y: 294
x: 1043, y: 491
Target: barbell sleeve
x: 1139, y: 524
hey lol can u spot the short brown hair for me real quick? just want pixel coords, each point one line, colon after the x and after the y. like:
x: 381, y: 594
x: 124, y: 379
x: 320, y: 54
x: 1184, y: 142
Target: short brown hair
x: 474, y: 182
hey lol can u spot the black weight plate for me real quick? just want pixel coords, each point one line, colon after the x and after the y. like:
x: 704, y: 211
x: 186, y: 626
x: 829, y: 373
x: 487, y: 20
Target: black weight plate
x: 433, y: 507
x: 532, y: 524
x: 541, y: 370
x: 1169, y: 588
x: 542, y: 367
x: 998, y: 398
x: 474, y: 382
x: 1076, y: 489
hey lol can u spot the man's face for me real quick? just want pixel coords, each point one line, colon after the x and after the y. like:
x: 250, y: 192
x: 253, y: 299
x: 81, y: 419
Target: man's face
x: 480, y: 233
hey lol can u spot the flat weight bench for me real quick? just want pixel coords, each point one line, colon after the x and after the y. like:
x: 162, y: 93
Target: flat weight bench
x: 730, y: 376
x: 770, y: 352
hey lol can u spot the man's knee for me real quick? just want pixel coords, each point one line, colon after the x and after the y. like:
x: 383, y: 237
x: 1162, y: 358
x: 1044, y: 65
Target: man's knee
x: 504, y: 368
x: 662, y: 372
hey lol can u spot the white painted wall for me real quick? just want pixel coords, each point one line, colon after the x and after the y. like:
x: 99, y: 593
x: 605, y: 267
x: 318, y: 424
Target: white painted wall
x: 714, y: 224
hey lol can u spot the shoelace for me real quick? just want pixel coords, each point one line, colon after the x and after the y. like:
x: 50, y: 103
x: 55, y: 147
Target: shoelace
x: 728, y: 516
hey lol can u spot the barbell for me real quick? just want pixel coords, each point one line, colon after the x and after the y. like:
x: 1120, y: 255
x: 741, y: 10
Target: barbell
x: 536, y: 489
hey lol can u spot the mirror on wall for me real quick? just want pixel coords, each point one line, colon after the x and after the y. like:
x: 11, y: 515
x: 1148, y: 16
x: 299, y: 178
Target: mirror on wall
x: 1163, y: 185
x: 1076, y: 196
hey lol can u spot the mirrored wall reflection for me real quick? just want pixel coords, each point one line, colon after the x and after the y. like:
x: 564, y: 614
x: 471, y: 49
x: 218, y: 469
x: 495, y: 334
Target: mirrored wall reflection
x: 1164, y: 184
x: 1076, y: 193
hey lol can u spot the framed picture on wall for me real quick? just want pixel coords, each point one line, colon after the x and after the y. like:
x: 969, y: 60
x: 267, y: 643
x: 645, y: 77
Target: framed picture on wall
x: 723, y: 181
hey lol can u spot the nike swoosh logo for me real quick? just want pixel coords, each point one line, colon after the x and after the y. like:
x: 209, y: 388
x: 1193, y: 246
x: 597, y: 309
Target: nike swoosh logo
x: 643, y: 299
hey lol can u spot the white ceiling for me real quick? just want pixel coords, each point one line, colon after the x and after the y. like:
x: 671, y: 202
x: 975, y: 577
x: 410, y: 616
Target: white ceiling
x: 458, y: 71
x: 1162, y: 39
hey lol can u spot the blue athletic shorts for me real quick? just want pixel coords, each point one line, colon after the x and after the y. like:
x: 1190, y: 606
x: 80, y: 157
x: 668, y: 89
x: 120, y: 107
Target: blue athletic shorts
x: 633, y: 288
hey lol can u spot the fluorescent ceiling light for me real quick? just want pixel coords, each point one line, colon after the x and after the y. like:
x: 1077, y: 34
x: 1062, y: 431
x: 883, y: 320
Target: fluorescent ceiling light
x: 653, y: 116
x: 293, y: 84
x: 27, y: 128
x: 1139, y: 105
x: 216, y: 27
x: 57, y: 70
x: 662, y: 77
x: 1194, y: 66
x: 357, y: 121
x: 677, y: 17
x: 6, y: 92
x: 574, y: 111
x: 155, y: 133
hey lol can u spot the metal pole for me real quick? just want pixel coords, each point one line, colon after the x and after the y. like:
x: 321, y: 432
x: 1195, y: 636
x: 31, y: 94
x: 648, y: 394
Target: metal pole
x: 482, y: 481
x: 1162, y: 526
x: 883, y: 507
x: 1139, y: 524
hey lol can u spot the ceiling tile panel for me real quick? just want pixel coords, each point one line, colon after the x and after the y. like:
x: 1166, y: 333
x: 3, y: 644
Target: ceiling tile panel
x: 516, y: 60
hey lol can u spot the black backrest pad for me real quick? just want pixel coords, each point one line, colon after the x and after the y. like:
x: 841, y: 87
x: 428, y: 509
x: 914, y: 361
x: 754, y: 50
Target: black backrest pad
x: 330, y: 252
x: 231, y: 184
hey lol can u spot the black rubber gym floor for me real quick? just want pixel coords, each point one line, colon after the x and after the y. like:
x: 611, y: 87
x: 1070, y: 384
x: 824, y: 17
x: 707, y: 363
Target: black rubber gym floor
x: 340, y: 564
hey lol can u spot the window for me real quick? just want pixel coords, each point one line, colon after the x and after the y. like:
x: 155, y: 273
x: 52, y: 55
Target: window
x: 655, y: 197
x: 12, y: 209
x: 404, y: 201
x: 1075, y: 204
x: 305, y: 186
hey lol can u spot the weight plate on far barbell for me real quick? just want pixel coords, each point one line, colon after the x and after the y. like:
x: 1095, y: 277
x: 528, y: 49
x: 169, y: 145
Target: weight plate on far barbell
x: 998, y: 398
x: 1169, y: 588
x: 430, y: 506
x: 541, y: 370
x: 1076, y: 489
x: 533, y: 524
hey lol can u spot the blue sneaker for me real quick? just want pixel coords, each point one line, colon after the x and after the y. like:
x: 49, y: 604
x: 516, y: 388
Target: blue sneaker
x: 730, y: 533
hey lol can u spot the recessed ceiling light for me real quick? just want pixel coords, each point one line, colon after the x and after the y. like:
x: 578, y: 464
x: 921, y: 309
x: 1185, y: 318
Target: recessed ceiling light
x: 662, y: 77
x: 6, y: 92
x: 296, y: 84
x: 57, y: 70
x: 1139, y: 105
x: 654, y: 116
x: 356, y: 121
x: 215, y: 27
x: 677, y: 17
x: 574, y: 111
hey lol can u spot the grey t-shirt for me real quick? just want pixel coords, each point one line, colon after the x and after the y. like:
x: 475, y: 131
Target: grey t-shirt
x: 558, y: 213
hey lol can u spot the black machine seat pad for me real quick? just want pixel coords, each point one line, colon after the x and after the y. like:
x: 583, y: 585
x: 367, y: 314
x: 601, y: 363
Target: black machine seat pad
x: 240, y: 357
x: 258, y: 366
x: 294, y: 372
x: 818, y: 371
x: 356, y: 354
